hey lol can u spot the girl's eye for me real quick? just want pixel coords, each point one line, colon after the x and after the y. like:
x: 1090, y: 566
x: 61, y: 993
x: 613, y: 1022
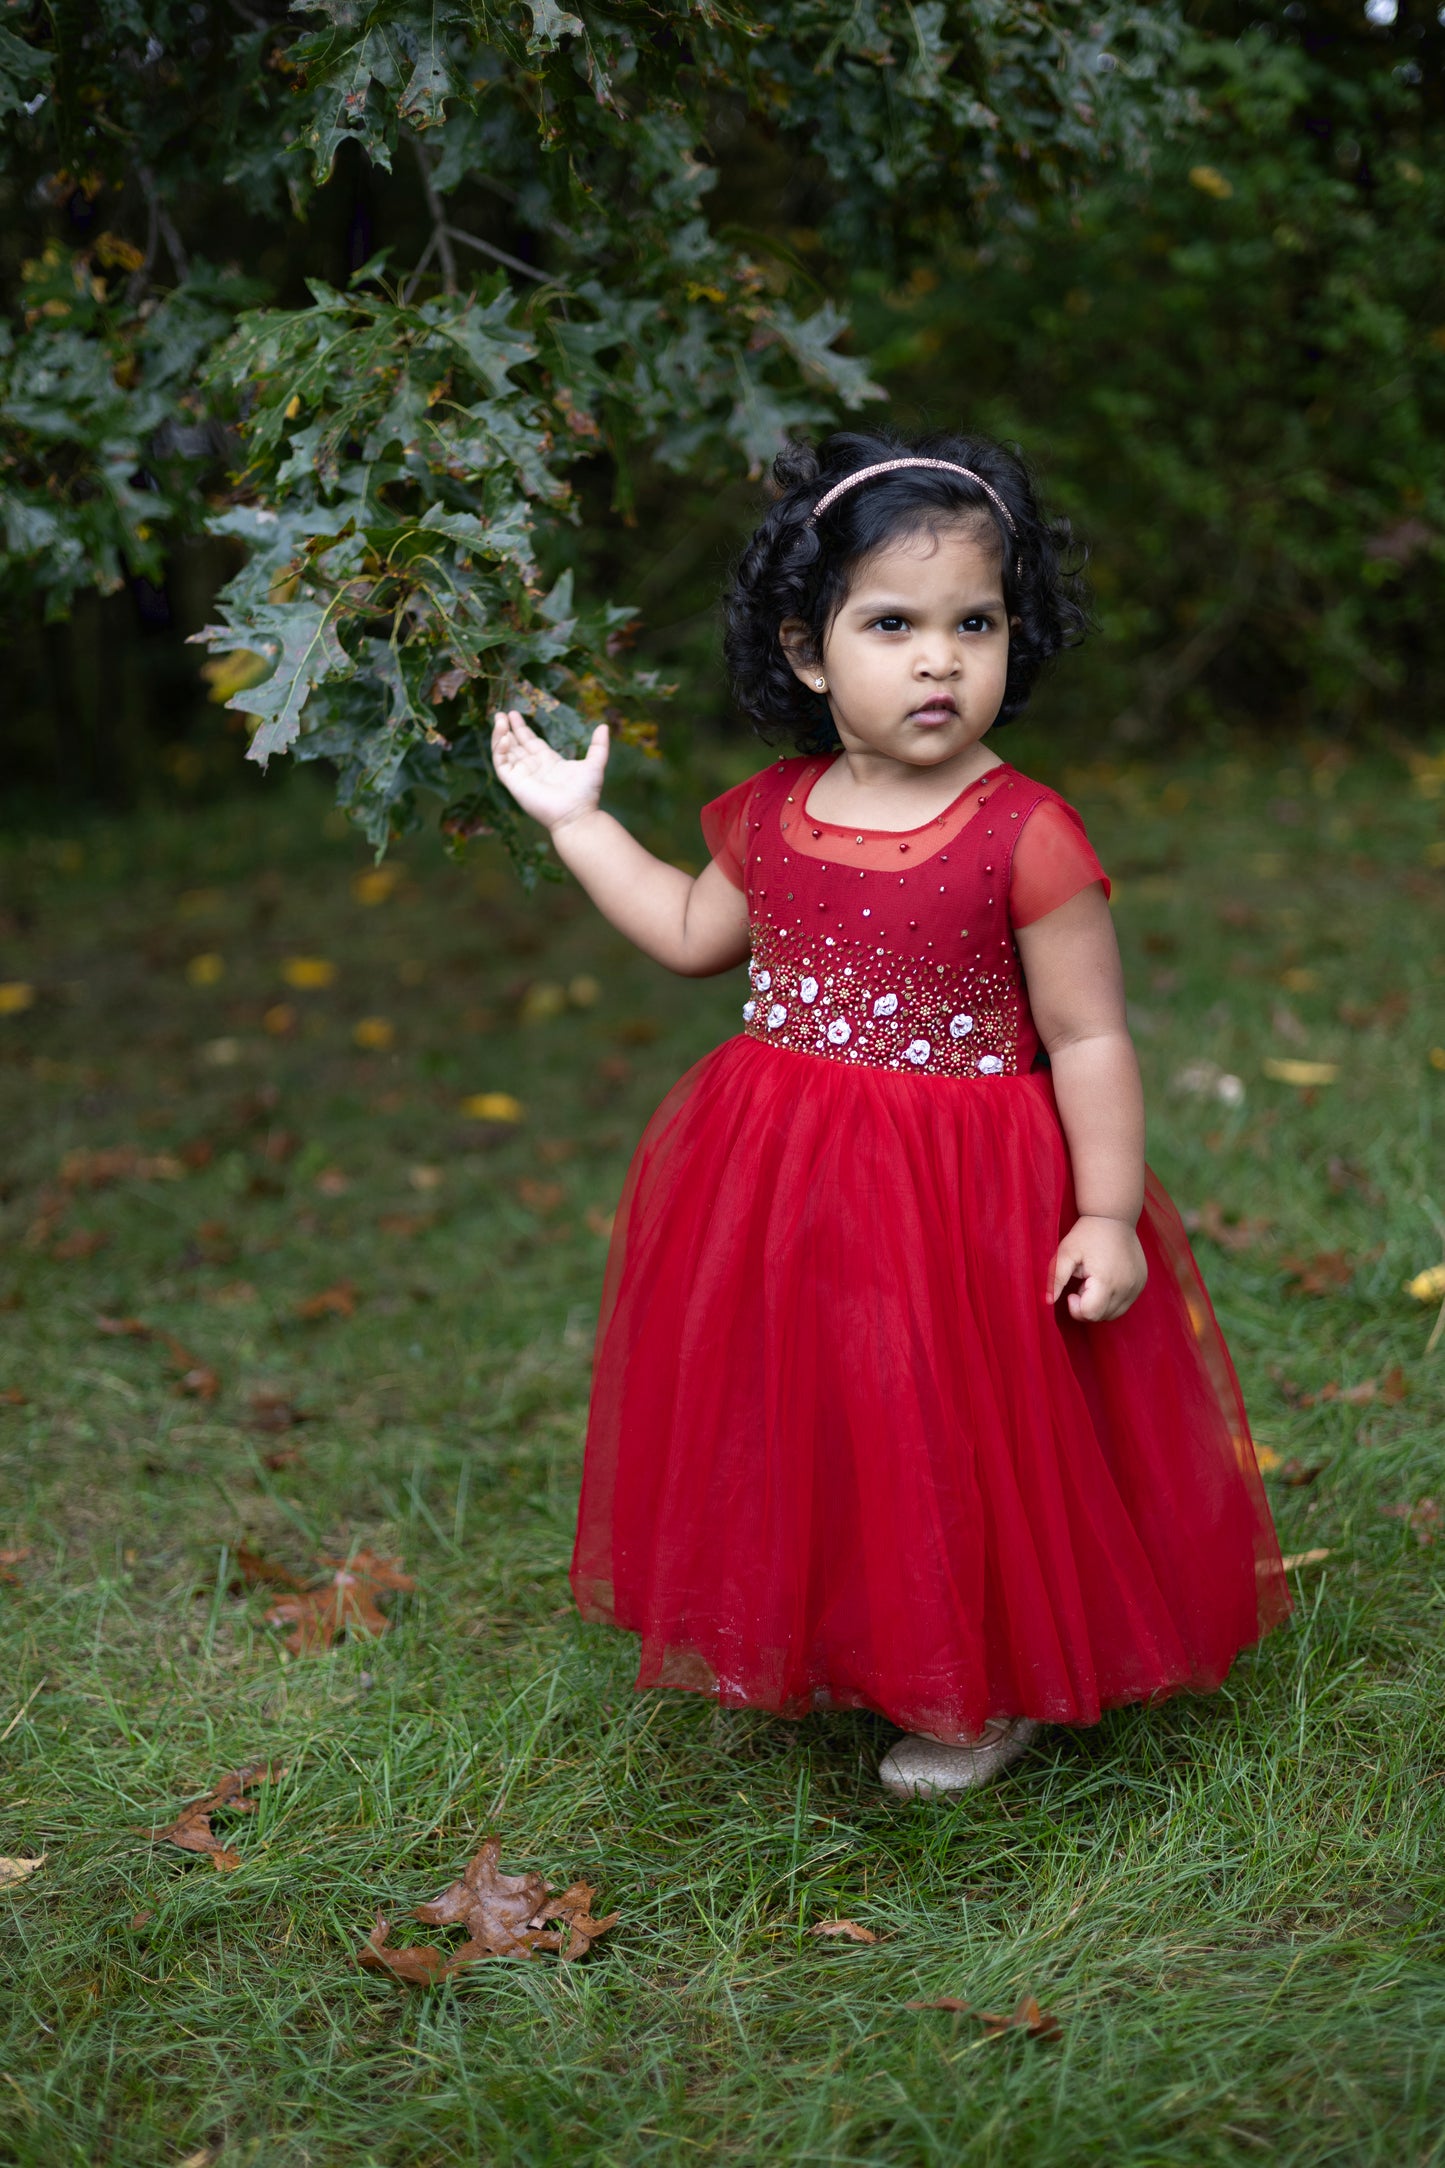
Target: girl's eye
x: 976, y: 624
x: 891, y: 624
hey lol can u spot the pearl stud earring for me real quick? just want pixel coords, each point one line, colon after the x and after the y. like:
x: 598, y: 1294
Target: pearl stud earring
x: 819, y: 683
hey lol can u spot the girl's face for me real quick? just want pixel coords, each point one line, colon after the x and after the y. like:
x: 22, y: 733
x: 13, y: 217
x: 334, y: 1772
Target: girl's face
x: 915, y: 660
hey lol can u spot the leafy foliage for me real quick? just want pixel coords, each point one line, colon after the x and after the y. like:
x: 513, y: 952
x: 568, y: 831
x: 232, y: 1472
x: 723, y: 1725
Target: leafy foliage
x: 401, y: 452
x: 1236, y: 372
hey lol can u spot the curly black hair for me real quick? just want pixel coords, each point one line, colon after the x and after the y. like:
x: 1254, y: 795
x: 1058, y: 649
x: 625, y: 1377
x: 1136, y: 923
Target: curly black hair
x: 792, y: 569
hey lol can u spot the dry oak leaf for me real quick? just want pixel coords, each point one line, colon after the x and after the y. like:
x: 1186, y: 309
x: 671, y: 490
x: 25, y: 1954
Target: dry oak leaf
x: 505, y: 1915
x: 83, y: 1243
x: 196, y: 1378
x: 11, y: 1558
x: 843, y: 1930
x: 273, y: 1412
x: 191, y: 1830
x: 1304, y: 1558
x: 344, y: 1603
x: 87, y: 1169
x: 1226, y: 1231
x: 1423, y: 1518
x: 337, y: 1301
x: 15, y: 1871
x: 1321, y: 1274
x: 122, y: 1328
x: 1026, y: 2017
x: 12, y: 1397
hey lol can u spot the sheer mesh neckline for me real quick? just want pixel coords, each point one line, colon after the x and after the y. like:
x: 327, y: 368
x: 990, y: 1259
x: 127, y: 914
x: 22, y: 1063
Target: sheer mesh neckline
x: 874, y: 848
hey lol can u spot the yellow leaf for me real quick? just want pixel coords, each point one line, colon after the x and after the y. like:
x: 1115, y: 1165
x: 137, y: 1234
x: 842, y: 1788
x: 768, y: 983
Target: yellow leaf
x: 1298, y: 980
x: 15, y: 995
x: 584, y: 992
x: 207, y: 970
x: 1437, y: 1057
x: 1428, y: 1286
x: 308, y: 973
x: 374, y: 1033
x: 1303, y: 1558
x: 230, y: 674
x: 1211, y: 182
x: 1300, y: 1072
x: 375, y: 885
x: 424, y: 1177
x: 493, y: 1107
x: 293, y: 406
x: 1267, y: 1458
x: 279, y: 1019
x: 542, y: 1000
x: 13, y: 1871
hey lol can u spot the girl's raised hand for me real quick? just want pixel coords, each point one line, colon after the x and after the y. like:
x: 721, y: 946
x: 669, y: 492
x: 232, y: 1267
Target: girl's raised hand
x: 552, y: 789
x: 1101, y: 1263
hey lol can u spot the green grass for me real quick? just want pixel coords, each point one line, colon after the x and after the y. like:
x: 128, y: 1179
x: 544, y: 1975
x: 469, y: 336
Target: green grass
x: 1233, y: 1904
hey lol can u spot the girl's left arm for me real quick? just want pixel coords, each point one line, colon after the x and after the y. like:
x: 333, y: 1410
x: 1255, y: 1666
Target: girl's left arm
x: 1076, y: 991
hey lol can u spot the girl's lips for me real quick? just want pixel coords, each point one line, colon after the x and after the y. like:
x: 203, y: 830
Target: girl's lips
x: 934, y: 711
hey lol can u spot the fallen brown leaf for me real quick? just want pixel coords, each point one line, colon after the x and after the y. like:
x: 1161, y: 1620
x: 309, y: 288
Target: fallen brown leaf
x: 598, y: 1222
x: 337, y: 1301
x: 1348, y: 1174
x: 1394, y: 1387
x: 844, y: 1930
x: 406, y: 1224
x: 1322, y: 1274
x: 12, y: 1558
x: 15, y: 1871
x: 86, y: 1169
x: 12, y: 1397
x: 1298, y: 1473
x: 1026, y: 2017
x: 1351, y: 1396
x: 346, y: 1602
x: 1227, y: 1230
x: 1376, y: 1015
x: 505, y: 1915
x: 1423, y: 1519
x: 122, y: 1328
x: 275, y: 1412
x: 83, y: 1243
x: 540, y: 1197
x: 191, y: 1830
x: 197, y: 1379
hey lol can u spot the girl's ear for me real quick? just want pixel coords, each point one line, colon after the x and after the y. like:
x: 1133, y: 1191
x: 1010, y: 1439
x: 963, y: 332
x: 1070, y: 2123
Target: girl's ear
x: 796, y: 643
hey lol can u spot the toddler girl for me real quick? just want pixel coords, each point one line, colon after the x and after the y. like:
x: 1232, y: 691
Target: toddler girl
x: 908, y: 1394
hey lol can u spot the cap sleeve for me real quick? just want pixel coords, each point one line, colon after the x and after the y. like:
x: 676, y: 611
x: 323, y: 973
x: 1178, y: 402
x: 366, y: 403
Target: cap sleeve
x: 725, y: 829
x: 1053, y: 859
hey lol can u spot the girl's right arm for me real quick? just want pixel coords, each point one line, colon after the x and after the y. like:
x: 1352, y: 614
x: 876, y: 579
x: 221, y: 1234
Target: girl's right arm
x: 695, y: 926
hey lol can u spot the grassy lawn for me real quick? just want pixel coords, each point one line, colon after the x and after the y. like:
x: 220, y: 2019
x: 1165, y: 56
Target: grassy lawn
x: 1233, y: 1906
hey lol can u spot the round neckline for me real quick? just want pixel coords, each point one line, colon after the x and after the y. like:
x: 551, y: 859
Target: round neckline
x: 842, y: 828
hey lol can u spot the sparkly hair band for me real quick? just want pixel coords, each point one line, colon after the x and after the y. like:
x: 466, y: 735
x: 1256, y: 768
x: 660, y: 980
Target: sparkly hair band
x: 892, y: 466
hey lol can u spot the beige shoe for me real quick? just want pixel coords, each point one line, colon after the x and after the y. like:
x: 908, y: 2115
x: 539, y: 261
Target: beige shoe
x: 918, y: 1767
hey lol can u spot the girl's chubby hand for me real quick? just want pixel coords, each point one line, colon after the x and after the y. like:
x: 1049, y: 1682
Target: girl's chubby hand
x: 552, y: 789
x: 1101, y: 1263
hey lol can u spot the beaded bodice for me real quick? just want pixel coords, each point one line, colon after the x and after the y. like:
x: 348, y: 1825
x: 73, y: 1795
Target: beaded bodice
x: 895, y: 951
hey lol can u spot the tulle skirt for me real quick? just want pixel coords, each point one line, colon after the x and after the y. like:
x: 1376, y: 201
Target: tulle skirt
x: 844, y: 1452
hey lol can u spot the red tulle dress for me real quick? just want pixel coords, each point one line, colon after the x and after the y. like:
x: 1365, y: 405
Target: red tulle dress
x: 842, y: 1450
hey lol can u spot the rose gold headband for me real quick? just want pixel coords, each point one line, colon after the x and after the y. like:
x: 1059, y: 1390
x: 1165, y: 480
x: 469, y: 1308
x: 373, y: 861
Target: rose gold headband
x: 892, y: 466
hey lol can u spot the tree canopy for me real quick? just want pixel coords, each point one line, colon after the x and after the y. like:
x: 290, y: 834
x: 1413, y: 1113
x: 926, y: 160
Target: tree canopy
x: 397, y: 459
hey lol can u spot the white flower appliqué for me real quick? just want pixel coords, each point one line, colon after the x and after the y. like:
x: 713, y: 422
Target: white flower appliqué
x: 918, y: 1052
x: 990, y: 1065
x: 762, y: 980
x: 808, y: 991
x: 750, y: 1010
x: 839, y: 1032
x: 777, y: 1014
x: 960, y: 1026
x: 886, y: 1005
